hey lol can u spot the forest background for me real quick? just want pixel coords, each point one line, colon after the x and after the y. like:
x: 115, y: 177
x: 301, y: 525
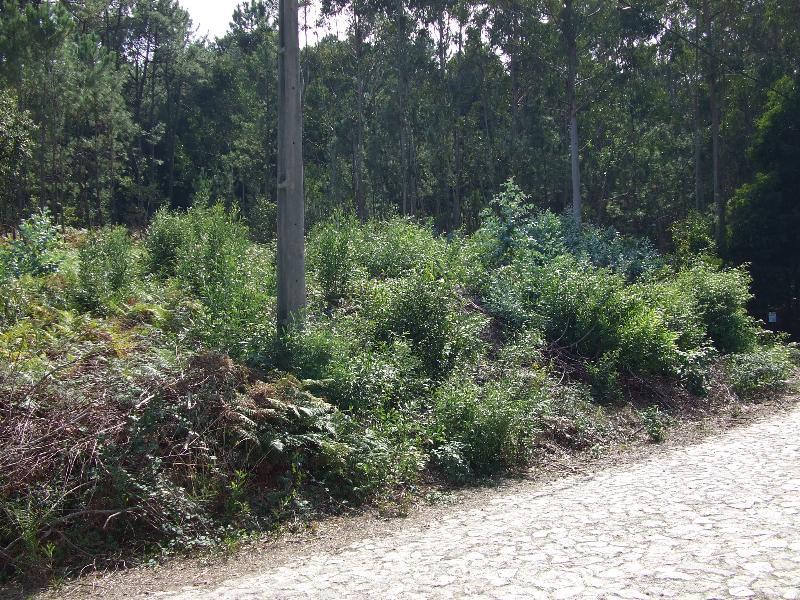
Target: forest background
x: 110, y: 110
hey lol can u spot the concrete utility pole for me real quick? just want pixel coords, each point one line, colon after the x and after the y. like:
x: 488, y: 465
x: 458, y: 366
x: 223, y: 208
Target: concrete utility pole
x: 291, y: 209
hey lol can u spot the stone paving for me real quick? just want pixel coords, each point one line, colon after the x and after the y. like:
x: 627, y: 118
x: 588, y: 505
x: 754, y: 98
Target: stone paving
x: 720, y: 519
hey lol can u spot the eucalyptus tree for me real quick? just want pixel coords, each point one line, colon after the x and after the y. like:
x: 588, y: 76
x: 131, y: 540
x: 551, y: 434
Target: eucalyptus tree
x: 592, y: 35
x: 360, y: 68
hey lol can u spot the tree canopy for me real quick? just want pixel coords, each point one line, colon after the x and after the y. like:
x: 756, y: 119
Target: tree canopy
x: 634, y: 114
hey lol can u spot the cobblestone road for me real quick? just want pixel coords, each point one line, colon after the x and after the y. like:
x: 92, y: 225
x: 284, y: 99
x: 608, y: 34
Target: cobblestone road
x: 716, y: 520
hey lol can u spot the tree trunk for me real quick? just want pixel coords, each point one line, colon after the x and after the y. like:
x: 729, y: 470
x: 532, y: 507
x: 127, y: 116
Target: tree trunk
x: 359, y: 194
x: 714, y: 102
x: 513, y: 68
x: 572, y: 107
x: 458, y: 151
x: 406, y: 203
x: 698, y: 155
x: 719, y: 200
x: 291, y: 210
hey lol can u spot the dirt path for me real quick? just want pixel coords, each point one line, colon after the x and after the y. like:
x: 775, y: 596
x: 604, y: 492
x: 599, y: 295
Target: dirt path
x: 714, y: 520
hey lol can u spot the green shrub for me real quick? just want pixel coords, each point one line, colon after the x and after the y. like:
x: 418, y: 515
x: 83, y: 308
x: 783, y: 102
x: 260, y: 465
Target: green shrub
x: 720, y: 298
x: 677, y: 305
x: 428, y: 314
x: 586, y: 310
x: 310, y: 349
x: 403, y: 364
x: 450, y: 459
x: 17, y: 296
x: 694, y: 369
x: 693, y: 238
x: 33, y: 297
x: 400, y: 247
x: 234, y: 280
x: 495, y: 426
x: 762, y: 368
x: 351, y: 369
x: 262, y: 220
x: 214, y: 247
x: 488, y: 428
x: 106, y: 266
x: 473, y: 260
x: 210, y: 254
x: 513, y: 225
x: 655, y: 423
x: 167, y: 234
x: 706, y: 308
x: 382, y: 461
x: 237, y: 312
x: 332, y: 257
x: 387, y: 375
x: 37, y: 249
x: 631, y: 257
x: 604, y: 377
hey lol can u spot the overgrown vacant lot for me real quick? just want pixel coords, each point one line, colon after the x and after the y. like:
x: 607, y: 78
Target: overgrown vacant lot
x: 147, y: 404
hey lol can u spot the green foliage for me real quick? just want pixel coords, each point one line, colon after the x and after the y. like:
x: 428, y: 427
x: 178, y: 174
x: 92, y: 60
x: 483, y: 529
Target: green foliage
x: 765, y: 367
x: 106, y: 266
x: 485, y: 428
x: 400, y: 247
x: 604, y: 377
x: 35, y: 299
x: 16, y: 147
x: 36, y: 250
x: 678, y: 307
x: 262, y: 219
x: 214, y: 246
x: 516, y: 228
x: 427, y: 314
x: 586, y: 310
x: 693, y: 239
x: 764, y: 214
x: 332, y: 256
x: 512, y: 222
x: 384, y: 375
x: 631, y: 257
x: 655, y: 423
x: 466, y: 341
x: 210, y: 255
x: 206, y: 447
x: 28, y: 517
x: 166, y: 236
x: 407, y: 333
x: 719, y: 298
x: 469, y: 355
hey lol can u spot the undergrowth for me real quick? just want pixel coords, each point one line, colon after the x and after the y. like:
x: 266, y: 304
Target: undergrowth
x: 146, y: 404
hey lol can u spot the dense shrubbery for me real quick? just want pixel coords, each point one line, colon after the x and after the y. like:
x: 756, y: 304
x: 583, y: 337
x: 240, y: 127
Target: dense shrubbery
x: 34, y: 252
x: 762, y: 367
x: 208, y: 253
x: 105, y: 268
x: 173, y: 416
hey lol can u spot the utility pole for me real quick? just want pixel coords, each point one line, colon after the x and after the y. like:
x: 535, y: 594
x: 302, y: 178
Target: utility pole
x: 291, y: 209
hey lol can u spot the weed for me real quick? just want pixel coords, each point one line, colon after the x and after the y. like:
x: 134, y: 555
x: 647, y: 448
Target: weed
x: 655, y: 423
